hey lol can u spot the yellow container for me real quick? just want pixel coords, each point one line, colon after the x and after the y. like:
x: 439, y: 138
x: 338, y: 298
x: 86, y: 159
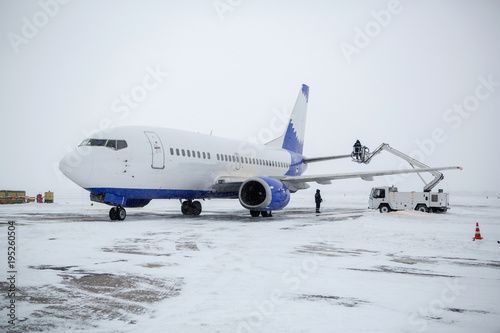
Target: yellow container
x: 49, y: 197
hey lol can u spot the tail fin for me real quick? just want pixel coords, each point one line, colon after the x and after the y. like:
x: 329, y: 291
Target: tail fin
x: 293, y: 138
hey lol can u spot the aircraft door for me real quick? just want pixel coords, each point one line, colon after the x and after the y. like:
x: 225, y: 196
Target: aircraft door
x: 158, y: 153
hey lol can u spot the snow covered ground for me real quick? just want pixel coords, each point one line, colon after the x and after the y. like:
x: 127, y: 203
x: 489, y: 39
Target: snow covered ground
x: 347, y: 270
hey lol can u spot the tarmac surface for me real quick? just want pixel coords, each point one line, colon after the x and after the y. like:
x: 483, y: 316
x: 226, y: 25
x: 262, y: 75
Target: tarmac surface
x: 346, y: 269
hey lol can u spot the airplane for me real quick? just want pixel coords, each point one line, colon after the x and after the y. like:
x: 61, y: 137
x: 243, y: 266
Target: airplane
x: 128, y: 166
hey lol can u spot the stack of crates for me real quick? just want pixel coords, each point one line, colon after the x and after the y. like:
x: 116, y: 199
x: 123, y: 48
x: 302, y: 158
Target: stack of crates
x: 12, y: 197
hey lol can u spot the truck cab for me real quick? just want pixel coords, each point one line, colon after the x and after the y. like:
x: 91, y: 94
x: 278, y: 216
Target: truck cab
x: 387, y: 199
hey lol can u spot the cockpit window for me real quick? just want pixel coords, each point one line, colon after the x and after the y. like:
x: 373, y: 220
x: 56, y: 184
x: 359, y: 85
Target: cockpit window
x: 112, y: 144
x: 121, y: 144
x: 84, y: 143
x: 98, y: 142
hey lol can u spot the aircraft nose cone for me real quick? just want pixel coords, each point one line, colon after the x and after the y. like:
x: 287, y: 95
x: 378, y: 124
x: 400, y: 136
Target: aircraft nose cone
x: 77, y: 166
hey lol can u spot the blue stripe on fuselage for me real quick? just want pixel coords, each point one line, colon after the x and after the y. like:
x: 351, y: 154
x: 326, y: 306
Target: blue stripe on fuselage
x: 135, y: 193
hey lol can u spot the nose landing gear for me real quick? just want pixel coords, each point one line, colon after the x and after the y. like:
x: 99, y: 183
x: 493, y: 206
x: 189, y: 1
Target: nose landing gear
x: 117, y: 213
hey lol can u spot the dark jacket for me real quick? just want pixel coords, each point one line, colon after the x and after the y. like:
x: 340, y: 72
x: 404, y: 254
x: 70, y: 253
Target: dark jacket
x: 317, y: 198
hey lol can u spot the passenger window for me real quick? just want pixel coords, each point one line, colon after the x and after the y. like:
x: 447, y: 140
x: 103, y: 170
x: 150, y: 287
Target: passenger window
x: 189, y: 153
x: 198, y: 153
x: 204, y: 156
x: 177, y: 151
x: 171, y: 151
x: 208, y: 155
x: 183, y: 152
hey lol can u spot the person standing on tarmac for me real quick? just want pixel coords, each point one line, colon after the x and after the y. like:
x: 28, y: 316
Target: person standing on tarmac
x: 317, y: 198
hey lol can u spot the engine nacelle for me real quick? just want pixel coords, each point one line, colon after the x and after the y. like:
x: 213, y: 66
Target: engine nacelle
x: 263, y: 194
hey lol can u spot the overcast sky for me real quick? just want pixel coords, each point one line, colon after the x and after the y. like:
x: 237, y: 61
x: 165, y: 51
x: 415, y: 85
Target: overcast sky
x: 423, y: 76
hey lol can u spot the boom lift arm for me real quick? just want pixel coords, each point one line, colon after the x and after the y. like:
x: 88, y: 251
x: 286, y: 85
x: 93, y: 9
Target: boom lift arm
x: 361, y: 154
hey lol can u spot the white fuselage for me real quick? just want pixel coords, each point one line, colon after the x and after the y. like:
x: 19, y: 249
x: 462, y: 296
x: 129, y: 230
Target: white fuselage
x: 169, y: 163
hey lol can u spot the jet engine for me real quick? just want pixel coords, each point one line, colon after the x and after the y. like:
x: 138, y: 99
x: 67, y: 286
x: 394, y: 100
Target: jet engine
x: 263, y: 194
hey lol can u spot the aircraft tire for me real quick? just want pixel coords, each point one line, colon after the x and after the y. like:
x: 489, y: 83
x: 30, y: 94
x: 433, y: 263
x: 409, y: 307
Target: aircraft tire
x: 121, y: 213
x: 196, y: 207
x: 254, y: 213
x: 113, y: 214
x: 187, y: 208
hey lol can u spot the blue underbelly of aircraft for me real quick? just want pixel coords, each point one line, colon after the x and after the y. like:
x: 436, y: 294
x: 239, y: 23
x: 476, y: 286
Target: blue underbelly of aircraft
x: 147, y: 194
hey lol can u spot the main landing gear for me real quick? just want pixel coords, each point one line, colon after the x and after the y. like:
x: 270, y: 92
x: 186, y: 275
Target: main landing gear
x: 256, y: 213
x: 190, y: 207
x: 117, y: 213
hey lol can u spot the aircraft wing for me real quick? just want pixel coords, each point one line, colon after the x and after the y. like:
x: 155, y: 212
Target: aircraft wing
x: 300, y: 182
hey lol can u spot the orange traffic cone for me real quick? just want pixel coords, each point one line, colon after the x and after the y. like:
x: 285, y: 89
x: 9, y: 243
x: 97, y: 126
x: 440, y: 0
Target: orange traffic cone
x: 478, y: 233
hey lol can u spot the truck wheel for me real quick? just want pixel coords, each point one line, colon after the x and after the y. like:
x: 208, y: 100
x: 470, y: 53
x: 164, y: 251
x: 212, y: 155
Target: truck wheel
x: 384, y: 209
x: 422, y: 208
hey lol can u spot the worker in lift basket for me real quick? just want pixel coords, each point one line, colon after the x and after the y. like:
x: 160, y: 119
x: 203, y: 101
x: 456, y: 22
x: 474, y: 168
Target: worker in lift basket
x: 357, y: 151
x: 317, y: 198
